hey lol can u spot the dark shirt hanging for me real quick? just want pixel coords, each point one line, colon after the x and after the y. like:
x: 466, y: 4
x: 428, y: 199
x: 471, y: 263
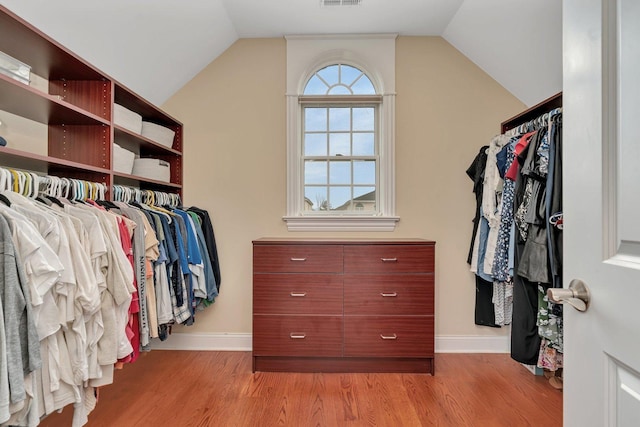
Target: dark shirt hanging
x: 210, y: 240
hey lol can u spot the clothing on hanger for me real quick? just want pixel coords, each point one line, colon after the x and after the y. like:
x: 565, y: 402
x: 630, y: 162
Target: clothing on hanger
x: 100, y: 280
x: 521, y: 198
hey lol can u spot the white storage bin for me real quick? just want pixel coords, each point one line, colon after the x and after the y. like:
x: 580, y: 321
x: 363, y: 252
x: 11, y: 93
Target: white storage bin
x: 160, y: 134
x: 153, y: 169
x: 17, y: 70
x: 122, y: 159
x: 127, y: 119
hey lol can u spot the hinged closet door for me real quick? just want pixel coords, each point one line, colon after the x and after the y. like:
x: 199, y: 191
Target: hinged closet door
x: 601, y: 98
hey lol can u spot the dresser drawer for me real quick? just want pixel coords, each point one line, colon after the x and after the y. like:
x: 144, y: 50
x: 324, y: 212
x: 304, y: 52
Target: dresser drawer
x: 297, y: 258
x: 275, y: 335
x: 388, y: 336
x: 389, y: 294
x: 297, y: 294
x: 388, y: 259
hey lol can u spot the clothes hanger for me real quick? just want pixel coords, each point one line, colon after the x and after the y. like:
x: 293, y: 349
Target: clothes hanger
x: 55, y: 200
x: 16, y: 181
x: 5, y: 200
x: 149, y: 198
x: 22, y: 186
x: 3, y: 179
x: 72, y: 190
x: 86, y: 190
x: 80, y: 190
x: 35, y: 184
x: 65, y: 187
x: 116, y: 193
x: 26, y: 189
x: 52, y: 189
x: 89, y: 190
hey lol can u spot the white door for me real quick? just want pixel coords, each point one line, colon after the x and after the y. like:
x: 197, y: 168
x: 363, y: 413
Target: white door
x: 601, y: 189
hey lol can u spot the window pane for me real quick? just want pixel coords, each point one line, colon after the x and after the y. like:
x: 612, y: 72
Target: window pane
x: 363, y: 86
x: 329, y: 74
x: 348, y: 74
x: 315, y: 86
x: 315, y: 198
x: 315, y: 144
x: 364, y: 193
x: 333, y: 136
x: 340, y: 198
x: 339, y: 90
x: 339, y: 119
x: 364, y: 172
x: 340, y: 172
x: 315, y: 172
x: 364, y: 198
x: 363, y: 119
x: 315, y: 119
x: 363, y: 144
x: 339, y: 144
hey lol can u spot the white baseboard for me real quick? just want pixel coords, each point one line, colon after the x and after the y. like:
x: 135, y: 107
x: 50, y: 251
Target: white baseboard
x: 472, y: 344
x: 205, y: 341
x: 242, y: 342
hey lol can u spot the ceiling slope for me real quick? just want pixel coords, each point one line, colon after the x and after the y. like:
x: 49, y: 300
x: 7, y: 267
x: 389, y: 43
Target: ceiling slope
x: 517, y: 42
x: 154, y: 48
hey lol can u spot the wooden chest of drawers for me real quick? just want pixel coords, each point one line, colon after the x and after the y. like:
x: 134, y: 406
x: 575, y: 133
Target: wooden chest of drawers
x: 343, y: 305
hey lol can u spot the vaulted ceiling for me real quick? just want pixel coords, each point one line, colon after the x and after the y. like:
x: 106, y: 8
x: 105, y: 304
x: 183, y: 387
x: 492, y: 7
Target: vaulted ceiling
x: 154, y: 48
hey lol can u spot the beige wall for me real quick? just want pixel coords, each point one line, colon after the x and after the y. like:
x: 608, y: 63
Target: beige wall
x: 235, y: 164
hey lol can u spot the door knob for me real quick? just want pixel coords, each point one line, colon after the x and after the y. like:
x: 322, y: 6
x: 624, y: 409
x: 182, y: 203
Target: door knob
x: 577, y: 295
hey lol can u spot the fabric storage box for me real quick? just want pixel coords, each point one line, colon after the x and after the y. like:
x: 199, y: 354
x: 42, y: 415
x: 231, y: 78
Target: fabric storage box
x: 160, y: 134
x: 122, y: 159
x: 127, y: 119
x: 152, y: 168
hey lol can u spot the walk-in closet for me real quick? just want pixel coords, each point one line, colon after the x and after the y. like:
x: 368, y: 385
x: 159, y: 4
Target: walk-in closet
x: 319, y: 213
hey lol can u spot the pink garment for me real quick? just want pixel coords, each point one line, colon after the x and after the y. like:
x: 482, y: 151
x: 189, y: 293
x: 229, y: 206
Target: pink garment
x: 133, y: 328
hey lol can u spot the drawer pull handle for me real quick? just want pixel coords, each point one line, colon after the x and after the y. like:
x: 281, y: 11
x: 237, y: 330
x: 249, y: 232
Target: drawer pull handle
x: 298, y: 259
x: 298, y: 294
x: 389, y: 259
x: 297, y: 335
x: 389, y: 337
x: 389, y: 294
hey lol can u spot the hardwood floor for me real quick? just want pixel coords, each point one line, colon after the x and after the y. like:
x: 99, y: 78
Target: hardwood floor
x: 172, y: 388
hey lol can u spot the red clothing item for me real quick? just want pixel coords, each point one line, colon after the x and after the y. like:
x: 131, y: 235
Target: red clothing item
x: 512, y: 173
x: 133, y: 326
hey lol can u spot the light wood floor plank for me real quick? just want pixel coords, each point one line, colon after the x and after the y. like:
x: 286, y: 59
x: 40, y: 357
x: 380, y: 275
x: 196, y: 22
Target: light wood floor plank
x: 173, y: 388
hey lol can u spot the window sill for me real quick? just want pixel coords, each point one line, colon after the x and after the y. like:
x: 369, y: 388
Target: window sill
x: 344, y: 223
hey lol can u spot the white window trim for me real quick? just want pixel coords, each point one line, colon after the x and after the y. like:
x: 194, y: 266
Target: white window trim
x: 372, y: 54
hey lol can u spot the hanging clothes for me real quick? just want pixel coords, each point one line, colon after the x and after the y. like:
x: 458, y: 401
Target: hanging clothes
x: 516, y: 246
x: 81, y: 284
x: 484, y: 313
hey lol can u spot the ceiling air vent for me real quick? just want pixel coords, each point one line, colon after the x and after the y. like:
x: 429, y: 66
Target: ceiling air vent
x: 340, y: 2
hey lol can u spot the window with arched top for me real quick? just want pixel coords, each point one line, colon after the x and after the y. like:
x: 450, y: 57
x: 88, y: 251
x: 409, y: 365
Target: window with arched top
x: 339, y: 139
x: 340, y: 128
x: 339, y: 79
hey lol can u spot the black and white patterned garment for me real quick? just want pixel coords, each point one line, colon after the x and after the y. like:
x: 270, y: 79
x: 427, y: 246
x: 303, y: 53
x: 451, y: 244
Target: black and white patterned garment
x: 503, y: 284
x: 501, y: 270
x: 521, y: 213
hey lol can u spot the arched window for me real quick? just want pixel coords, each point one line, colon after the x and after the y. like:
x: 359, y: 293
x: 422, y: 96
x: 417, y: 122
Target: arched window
x: 340, y: 128
x: 339, y: 138
x: 339, y: 79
